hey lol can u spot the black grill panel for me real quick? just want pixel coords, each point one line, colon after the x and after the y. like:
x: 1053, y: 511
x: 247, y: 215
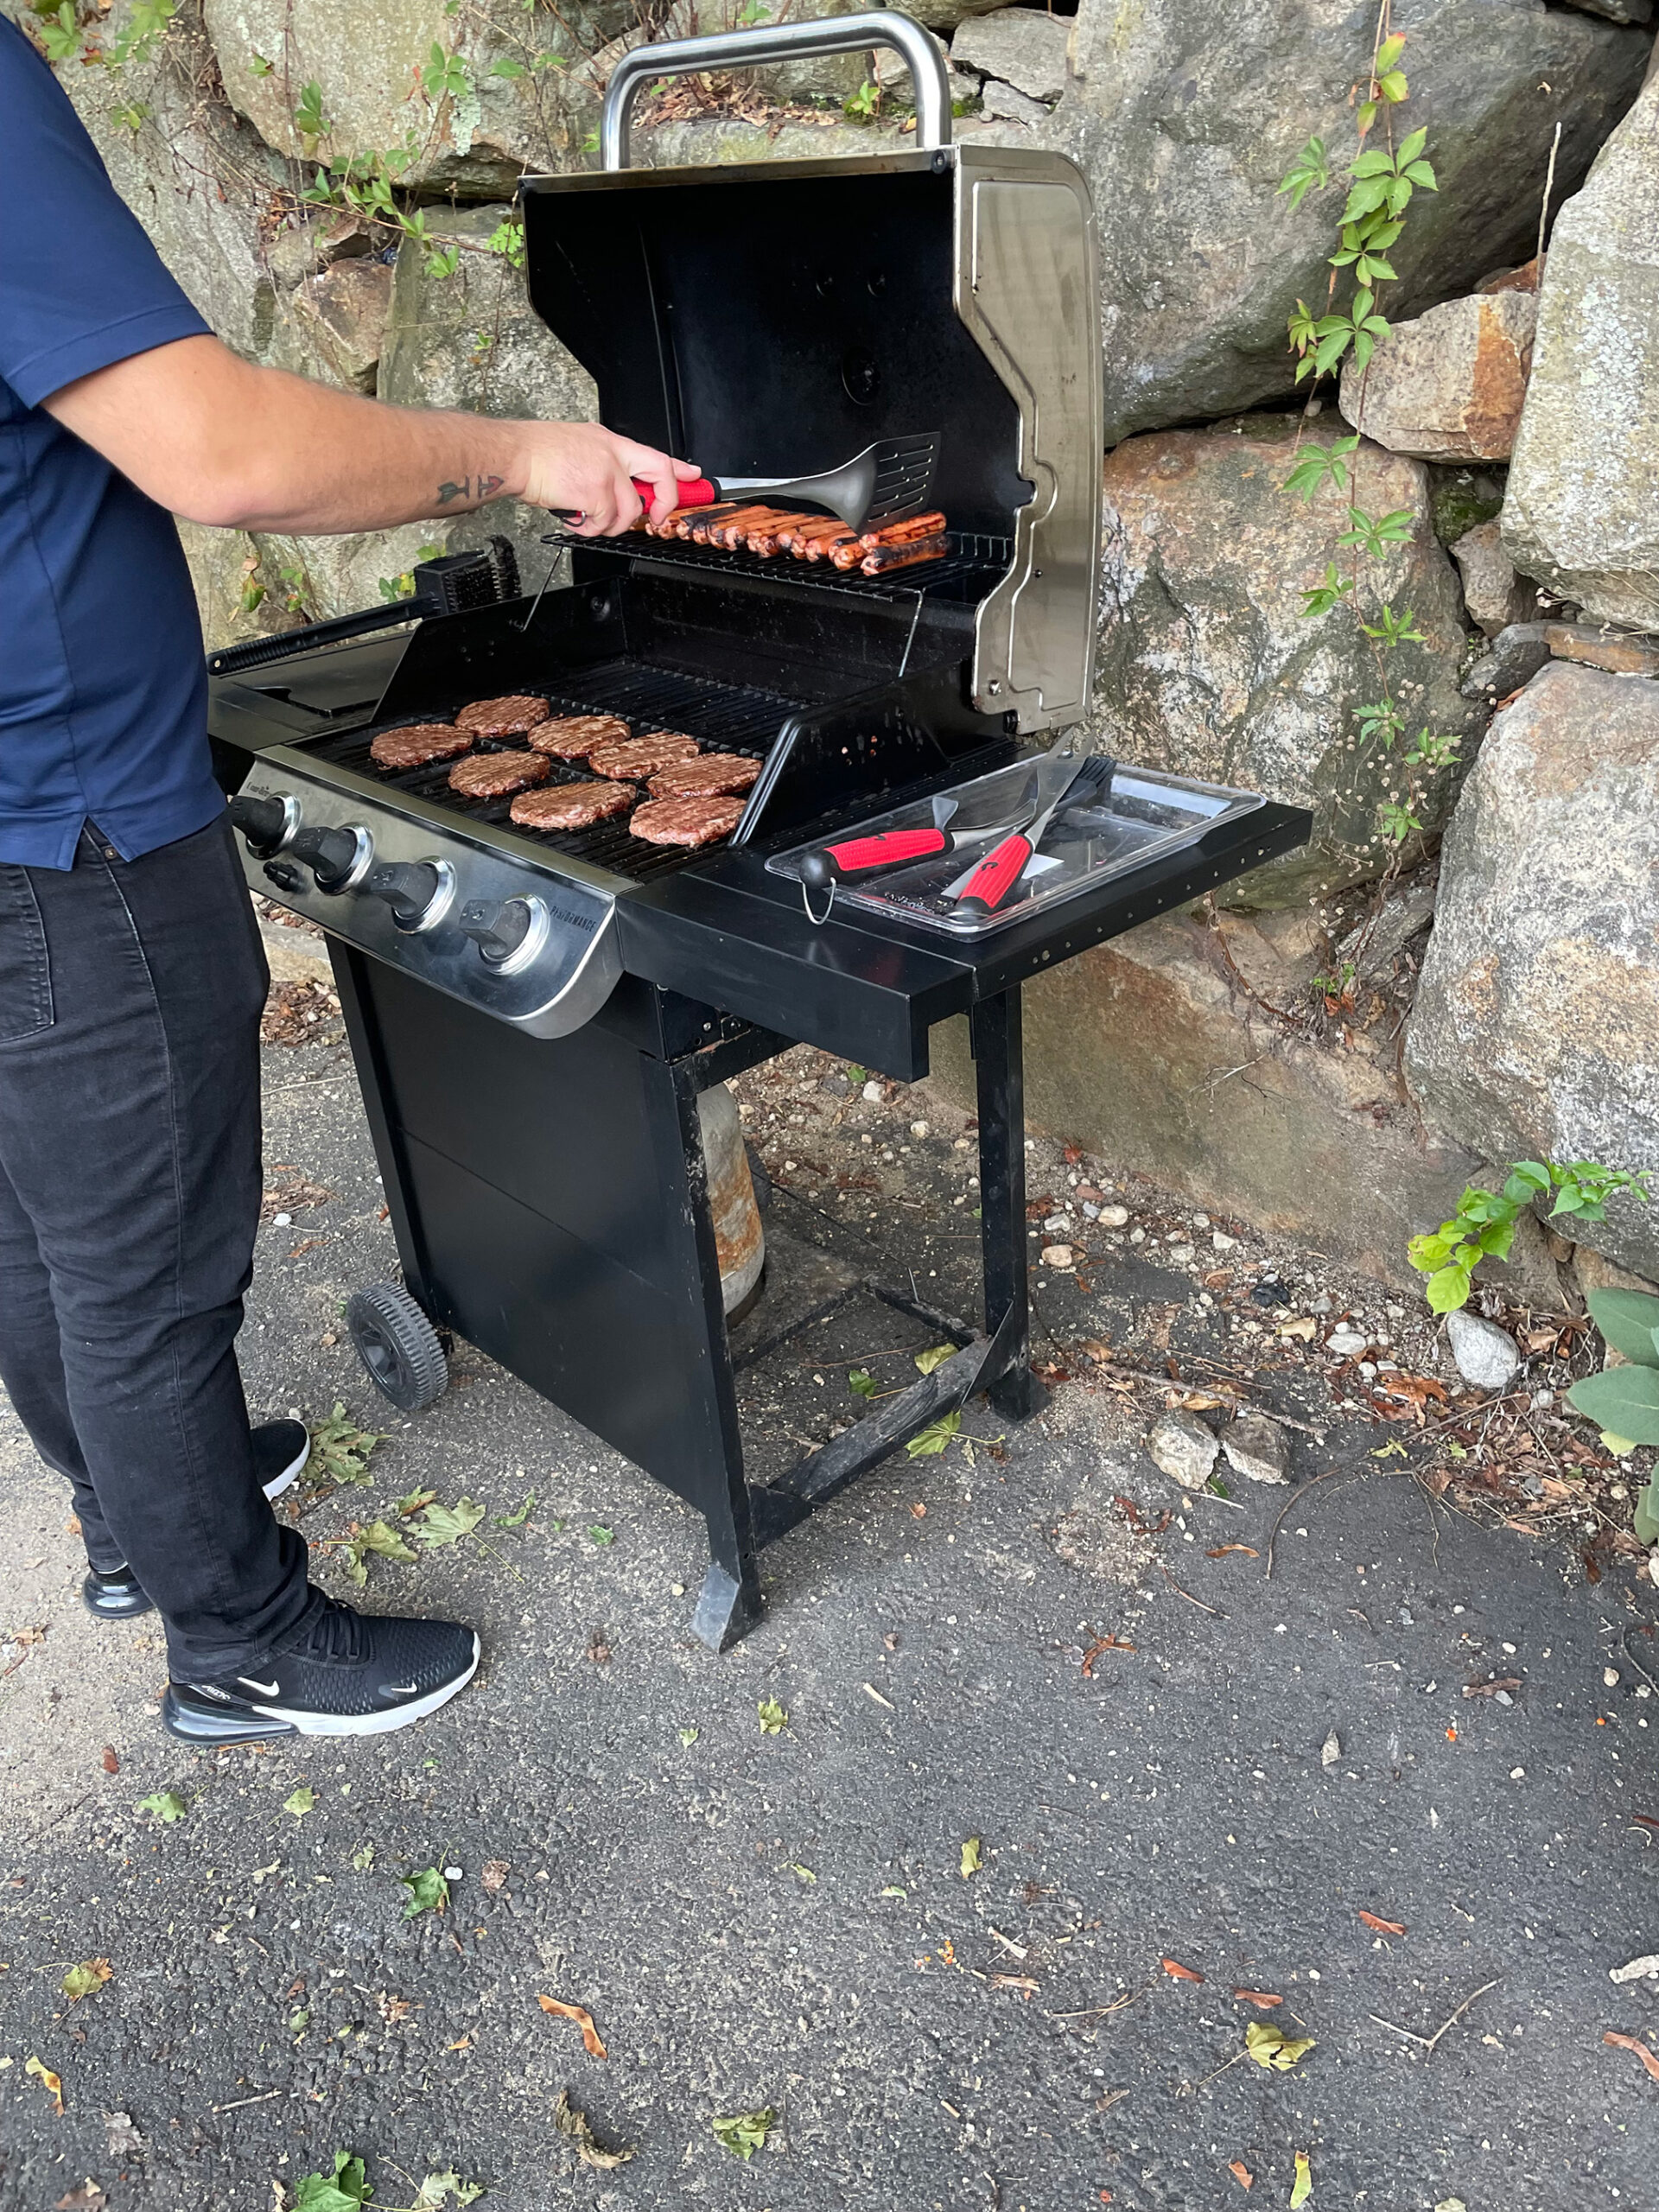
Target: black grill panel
x: 722, y: 717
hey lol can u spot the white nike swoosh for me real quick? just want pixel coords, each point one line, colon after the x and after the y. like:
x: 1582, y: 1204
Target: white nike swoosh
x: 266, y: 1689
x: 397, y: 1689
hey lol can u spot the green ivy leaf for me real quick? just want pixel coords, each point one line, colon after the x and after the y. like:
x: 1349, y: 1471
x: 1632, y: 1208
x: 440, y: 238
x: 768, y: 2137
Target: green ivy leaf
x: 743, y: 2134
x: 427, y: 1892
x: 300, y: 1802
x: 935, y: 1355
x: 166, y: 1806
x: 971, y: 1858
x: 344, y: 2190
x: 438, y: 1524
x: 773, y: 1718
x: 935, y: 1437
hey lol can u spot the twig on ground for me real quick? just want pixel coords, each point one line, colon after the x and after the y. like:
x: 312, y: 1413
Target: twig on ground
x: 1429, y: 2042
x: 1295, y: 1498
x: 1099, y: 2012
x: 1214, y: 1612
x: 263, y: 2098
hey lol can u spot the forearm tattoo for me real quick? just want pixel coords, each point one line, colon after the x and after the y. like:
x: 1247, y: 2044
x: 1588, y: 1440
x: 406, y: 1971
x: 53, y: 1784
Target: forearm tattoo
x: 475, y: 488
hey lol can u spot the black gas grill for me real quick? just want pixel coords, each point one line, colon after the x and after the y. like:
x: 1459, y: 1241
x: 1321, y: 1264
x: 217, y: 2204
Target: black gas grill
x: 533, y: 1016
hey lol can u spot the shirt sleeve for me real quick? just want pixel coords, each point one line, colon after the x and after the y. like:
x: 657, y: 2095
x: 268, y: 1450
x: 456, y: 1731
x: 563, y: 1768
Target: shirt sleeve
x: 81, y: 286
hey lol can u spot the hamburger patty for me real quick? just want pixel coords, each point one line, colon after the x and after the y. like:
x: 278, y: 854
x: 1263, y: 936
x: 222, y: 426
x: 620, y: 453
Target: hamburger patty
x: 492, y: 775
x: 686, y: 821
x: 416, y: 743
x: 571, y: 806
x: 711, y: 775
x: 573, y: 737
x: 642, y: 756
x: 508, y: 717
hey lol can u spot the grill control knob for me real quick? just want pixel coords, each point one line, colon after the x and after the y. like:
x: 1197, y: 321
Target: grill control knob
x: 262, y: 820
x: 497, y: 929
x: 409, y: 887
x: 331, y: 855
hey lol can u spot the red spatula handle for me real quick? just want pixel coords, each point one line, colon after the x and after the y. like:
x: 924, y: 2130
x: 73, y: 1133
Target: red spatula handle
x: 698, y: 491
x: 996, y: 874
x: 859, y: 854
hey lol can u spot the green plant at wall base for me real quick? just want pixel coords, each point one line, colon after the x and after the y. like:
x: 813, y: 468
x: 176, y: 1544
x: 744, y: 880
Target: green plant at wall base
x: 1624, y: 1402
x: 1484, y: 1225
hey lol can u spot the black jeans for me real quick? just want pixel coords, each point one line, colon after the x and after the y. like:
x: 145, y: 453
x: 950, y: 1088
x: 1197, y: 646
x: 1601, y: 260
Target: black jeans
x: 129, y: 1178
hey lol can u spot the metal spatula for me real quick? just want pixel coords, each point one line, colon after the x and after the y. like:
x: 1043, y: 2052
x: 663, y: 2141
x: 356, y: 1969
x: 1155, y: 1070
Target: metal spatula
x: 883, y: 483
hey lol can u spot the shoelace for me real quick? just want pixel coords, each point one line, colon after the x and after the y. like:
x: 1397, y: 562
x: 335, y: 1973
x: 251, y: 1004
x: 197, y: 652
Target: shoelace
x: 331, y: 1631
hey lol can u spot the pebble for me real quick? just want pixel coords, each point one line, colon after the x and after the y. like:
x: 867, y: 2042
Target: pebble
x: 919, y: 1128
x: 1485, y: 1354
x: 1645, y: 1968
x: 1183, y: 1448
x: 1090, y: 1211
x: 1322, y: 1304
x: 1610, y: 1678
x: 873, y: 1093
x: 1057, y: 1222
x: 1255, y: 1448
x: 1183, y: 1255
x: 1060, y: 1256
x: 1270, y: 1293
x: 1223, y: 1242
x: 837, y: 1086
x: 282, y: 1221
x: 1137, y: 1236
x: 1115, y: 1216
x: 1346, y: 1343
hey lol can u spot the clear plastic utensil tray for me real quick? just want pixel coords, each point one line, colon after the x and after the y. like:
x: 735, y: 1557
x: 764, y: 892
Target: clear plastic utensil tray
x: 1145, y: 815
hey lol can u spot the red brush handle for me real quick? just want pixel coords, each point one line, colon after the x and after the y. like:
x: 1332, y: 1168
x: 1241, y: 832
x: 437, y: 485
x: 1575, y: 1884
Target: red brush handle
x: 997, y: 873
x: 697, y: 493
x: 893, y: 845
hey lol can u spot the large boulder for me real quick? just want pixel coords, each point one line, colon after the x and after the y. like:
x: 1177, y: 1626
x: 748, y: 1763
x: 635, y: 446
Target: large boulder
x: 1448, y: 385
x: 1022, y: 46
x: 1582, y: 512
x: 1186, y: 115
x: 1535, y: 1033
x: 454, y: 121
x: 333, y: 325
x: 1208, y: 665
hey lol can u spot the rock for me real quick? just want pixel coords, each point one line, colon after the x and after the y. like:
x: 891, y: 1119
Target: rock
x: 314, y: 243
x: 1645, y: 1968
x: 1461, y: 498
x: 1485, y: 1354
x: 1346, y: 1343
x: 1060, y: 1257
x: 1255, y: 1448
x: 1535, y: 1033
x: 1022, y: 46
x: 1186, y: 115
x: 1331, y: 1750
x: 1447, y: 386
x: 1145, y: 1051
x: 1620, y: 654
x: 1582, y: 512
x: 475, y: 140
x: 332, y: 326
x: 1523, y: 279
x: 1518, y: 652
x: 1377, y: 941
x: 1208, y: 665
x: 1616, y: 12
x: 220, y: 568
x: 1492, y: 592
x: 1113, y: 1216
x: 1183, y: 1448
x: 997, y: 99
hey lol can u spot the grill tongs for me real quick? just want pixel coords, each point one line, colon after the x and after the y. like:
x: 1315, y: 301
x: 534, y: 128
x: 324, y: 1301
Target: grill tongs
x: 1060, y: 778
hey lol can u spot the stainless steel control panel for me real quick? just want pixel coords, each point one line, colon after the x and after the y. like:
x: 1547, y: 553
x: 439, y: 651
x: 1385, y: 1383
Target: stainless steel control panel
x: 516, y: 942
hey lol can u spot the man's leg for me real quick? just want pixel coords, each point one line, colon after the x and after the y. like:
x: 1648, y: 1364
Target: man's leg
x: 129, y: 1134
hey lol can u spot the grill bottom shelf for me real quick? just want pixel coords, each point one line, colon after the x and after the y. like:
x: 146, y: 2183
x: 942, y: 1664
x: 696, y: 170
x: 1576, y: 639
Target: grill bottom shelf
x: 722, y: 717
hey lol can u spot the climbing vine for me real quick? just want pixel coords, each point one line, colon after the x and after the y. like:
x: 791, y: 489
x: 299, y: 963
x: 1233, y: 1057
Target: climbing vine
x: 1382, y: 182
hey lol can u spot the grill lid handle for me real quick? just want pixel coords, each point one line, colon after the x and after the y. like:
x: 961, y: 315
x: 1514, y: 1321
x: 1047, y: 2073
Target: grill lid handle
x: 782, y: 43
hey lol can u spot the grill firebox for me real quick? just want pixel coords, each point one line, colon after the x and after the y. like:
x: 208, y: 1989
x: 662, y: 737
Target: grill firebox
x: 535, y: 1113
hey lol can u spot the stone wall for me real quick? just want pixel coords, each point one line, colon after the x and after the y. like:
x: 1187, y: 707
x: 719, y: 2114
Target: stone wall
x: 1251, y: 1058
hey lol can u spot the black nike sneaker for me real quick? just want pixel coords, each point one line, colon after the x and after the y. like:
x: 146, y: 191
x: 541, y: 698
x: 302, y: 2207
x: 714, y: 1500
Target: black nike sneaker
x: 338, y: 1673
x: 281, y: 1449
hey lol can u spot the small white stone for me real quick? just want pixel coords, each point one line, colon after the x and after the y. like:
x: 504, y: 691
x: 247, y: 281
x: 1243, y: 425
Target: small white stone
x: 1058, y: 1256
x: 1517, y: 1774
x: 1610, y: 1678
x: 1183, y: 1448
x: 1346, y: 1343
x: 1115, y: 1217
x: 1200, y: 1221
x: 452, y: 1874
x: 1223, y: 1242
x: 1139, y: 1237
x: 1485, y: 1354
x: 1183, y: 1255
x: 1329, y: 1750
x: 873, y: 1092
x: 919, y: 1128
x: 282, y: 1221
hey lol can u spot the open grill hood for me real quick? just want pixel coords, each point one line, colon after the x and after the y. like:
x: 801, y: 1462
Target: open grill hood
x: 775, y: 317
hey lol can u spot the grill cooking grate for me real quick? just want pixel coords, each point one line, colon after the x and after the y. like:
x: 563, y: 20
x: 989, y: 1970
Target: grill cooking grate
x: 722, y: 717
x: 967, y: 573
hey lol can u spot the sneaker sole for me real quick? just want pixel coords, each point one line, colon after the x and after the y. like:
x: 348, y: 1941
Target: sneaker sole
x: 289, y: 1475
x: 282, y: 1721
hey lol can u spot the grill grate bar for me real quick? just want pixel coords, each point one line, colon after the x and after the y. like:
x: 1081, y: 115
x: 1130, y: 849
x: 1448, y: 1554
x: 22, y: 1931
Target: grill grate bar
x: 968, y: 572
x: 722, y: 717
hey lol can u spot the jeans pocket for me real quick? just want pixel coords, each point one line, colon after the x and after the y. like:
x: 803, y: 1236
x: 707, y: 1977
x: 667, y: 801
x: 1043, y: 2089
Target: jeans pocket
x: 25, y: 967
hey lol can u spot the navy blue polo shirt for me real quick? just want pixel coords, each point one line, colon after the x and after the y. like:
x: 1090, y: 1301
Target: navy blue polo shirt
x: 103, y: 691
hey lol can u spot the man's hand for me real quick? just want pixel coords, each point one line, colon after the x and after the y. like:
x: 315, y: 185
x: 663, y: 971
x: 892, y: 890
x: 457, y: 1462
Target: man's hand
x: 219, y: 442
x: 588, y: 472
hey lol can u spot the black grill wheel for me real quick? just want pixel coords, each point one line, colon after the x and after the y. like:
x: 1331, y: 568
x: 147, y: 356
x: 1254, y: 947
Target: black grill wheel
x: 399, y: 1345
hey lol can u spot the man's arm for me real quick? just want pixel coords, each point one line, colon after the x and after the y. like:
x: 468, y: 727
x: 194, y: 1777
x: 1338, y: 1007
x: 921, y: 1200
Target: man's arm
x: 213, y: 439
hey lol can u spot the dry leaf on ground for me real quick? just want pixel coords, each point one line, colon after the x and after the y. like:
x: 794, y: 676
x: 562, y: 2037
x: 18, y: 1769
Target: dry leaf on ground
x: 572, y: 2124
x: 108, y: 1761
x: 1383, y: 1927
x: 584, y: 2020
x: 89, y: 2197
x: 493, y: 1876
x: 1265, y: 1998
x: 1612, y: 2036
x: 1271, y: 2046
x: 1241, y: 2174
x: 1178, y: 1972
x: 81, y: 1981
x: 39, y: 2071
x: 1302, y: 2188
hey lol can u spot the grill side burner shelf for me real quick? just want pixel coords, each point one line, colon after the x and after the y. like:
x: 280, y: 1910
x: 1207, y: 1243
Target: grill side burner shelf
x: 535, y: 1114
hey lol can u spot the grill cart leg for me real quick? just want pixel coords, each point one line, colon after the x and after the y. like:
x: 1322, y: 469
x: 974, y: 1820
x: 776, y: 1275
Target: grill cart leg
x: 994, y: 1028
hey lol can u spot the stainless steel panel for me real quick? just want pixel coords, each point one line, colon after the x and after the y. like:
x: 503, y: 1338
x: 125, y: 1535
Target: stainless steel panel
x: 1026, y: 287
x: 561, y: 977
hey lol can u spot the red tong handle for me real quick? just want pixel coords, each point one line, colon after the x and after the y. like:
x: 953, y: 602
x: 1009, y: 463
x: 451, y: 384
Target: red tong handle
x: 697, y: 491
x: 997, y: 873
x: 859, y: 854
